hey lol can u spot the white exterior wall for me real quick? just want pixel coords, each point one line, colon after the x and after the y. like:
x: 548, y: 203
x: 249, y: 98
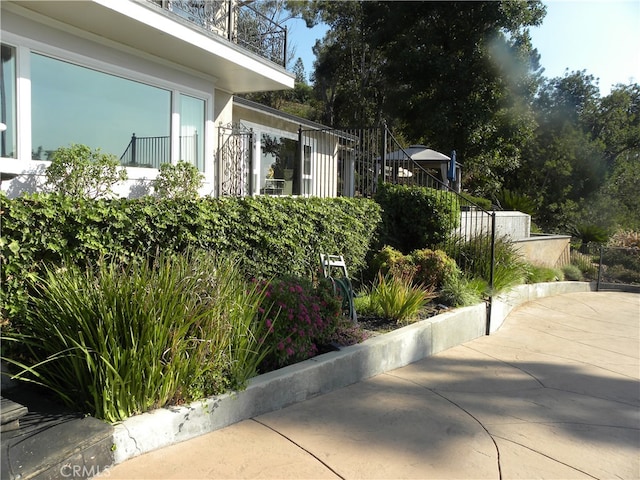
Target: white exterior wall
x: 29, y: 32
x: 514, y: 225
x: 324, y: 163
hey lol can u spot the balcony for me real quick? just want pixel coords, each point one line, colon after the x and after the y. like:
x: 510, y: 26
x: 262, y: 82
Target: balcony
x: 227, y: 40
x: 239, y: 23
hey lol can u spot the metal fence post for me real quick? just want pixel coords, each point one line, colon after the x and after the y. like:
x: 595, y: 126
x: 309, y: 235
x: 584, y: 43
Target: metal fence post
x: 492, y: 271
x: 600, y: 268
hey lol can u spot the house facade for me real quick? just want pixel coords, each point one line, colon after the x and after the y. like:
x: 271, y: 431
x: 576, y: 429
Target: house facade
x: 149, y: 81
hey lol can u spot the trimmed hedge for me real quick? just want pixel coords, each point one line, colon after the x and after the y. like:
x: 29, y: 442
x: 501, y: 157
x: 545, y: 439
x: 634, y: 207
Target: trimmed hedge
x: 416, y: 217
x: 273, y: 235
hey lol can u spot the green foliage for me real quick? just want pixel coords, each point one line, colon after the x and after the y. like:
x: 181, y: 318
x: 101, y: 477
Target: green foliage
x: 585, y: 263
x: 621, y: 264
x: 474, y: 258
x: 432, y: 267
x: 416, y: 217
x: 397, y: 298
x: 539, y: 274
x: 80, y: 172
x: 572, y: 273
x: 458, y: 291
x: 423, y: 267
x: 470, y: 200
x: 589, y: 233
x: 276, y: 235
x: 364, y: 305
x: 115, y: 339
x: 298, y: 317
x: 515, y: 201
x: 182, y: 180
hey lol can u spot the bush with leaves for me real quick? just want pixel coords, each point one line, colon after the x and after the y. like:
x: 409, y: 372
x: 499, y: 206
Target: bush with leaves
x: 115, y: 339
x: 416, y: 217
x: 475, y: 261
x: 80, y: 172
x: 425, y: 266
x: 298, y: 318
x: 572, y: 273
x: 396, y: 297
x: 458, y: 291
x: 182, y: 180
x: 274, y: 233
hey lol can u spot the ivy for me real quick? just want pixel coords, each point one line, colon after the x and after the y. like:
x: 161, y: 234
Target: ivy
x: 273, y: 235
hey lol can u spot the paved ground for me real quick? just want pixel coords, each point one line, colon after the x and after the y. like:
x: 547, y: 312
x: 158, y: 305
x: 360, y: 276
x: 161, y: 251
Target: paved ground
x: 555, y: 393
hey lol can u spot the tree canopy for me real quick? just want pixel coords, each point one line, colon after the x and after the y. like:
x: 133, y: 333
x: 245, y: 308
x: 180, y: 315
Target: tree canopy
x: 465, y: 76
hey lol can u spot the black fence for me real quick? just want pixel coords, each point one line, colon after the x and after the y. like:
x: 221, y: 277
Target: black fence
x: 238, y: 22
x: 353, y: 162
x: 151, y: 152
x: 618, y: 267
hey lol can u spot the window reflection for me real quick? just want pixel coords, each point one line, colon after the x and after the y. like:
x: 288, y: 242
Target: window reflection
x: 278, y: 167
x: 8, y: 102
x: 73, y: 104
x: 192, y: 130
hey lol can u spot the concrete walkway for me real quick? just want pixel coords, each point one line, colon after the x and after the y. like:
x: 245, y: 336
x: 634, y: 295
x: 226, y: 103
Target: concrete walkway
x: 555, y: 393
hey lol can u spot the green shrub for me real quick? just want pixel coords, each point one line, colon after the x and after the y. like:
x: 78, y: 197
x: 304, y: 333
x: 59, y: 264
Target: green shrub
x: 424, y: 267
x: 629, y: 258
x: 388, y: 260
x: 277, y: 234
x: 115, y: 340
x: 619, y: 273
x: 432, y: 267
x: 539, y: 274
x: 182, y: 180
x: 572, y: 272
x: 585, y: 263
x: 298, y: 318
x: 80, y: 172
x: 416, y: 217
x: 590, y: 233
x: 364, y: 305
x: 516, y: 201
x: 458, y: 291
x: 470, y: 200
x: 475, y: 260
x: 398, y: 299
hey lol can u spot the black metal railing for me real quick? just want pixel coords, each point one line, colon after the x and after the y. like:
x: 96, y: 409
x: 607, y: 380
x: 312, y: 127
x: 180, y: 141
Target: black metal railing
x: 148, y: 152
x: 353, y: 162
x: 151, y: 152
x: 613, y: 268
x: 236, y: 21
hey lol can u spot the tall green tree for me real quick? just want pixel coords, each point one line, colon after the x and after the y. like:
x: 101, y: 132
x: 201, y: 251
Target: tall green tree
x: 448, y: 74
x: 583, y: 154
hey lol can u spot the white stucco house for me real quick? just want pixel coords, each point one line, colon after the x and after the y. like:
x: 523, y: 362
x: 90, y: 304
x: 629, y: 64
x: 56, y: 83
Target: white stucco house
x: 150, y: 81
x: 157, y: 81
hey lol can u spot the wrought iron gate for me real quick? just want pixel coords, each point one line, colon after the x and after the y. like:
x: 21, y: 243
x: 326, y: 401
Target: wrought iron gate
x: 235, y: 160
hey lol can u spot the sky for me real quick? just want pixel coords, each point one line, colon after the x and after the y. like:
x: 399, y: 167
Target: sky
x: 599, y: 36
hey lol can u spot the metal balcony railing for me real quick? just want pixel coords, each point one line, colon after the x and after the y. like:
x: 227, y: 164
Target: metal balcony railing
x: 236, y: 21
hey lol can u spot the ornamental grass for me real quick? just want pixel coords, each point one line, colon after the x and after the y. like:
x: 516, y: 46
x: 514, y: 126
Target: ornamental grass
x: 114, y: 340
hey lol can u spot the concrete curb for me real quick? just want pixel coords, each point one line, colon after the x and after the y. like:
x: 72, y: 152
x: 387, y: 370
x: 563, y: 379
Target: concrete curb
x: 324, y: 373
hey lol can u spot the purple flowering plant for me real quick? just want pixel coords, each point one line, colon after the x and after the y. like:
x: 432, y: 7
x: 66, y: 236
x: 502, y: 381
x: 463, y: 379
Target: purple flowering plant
x: 300, y: 317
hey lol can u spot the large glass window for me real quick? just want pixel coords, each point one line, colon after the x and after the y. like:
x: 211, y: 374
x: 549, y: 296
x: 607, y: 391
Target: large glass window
x: 279, y: 170
x: 8, y: 136
x: 73, y: 104
x: 192, y: 130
